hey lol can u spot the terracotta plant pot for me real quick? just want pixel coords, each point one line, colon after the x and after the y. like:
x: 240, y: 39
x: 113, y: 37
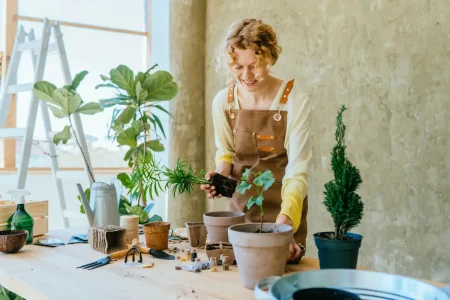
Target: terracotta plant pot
x: 217, y: 223
x: 157, y: 235
x: 260, y: 255
x: 196, y: 232
x: 12, y: 241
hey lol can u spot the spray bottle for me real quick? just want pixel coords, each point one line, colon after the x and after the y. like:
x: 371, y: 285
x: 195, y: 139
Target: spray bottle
x: 21, y: 220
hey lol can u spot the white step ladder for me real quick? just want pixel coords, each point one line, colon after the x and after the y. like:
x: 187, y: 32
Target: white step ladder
x: 39, y: 50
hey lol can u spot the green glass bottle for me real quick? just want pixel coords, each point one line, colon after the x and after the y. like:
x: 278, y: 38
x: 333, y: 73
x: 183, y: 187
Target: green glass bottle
x: 21, y: 220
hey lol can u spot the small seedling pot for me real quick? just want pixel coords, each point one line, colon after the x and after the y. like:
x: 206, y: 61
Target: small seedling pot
x: 196, y: 232
x: 217, y: 223
x: 338, y: 254
x: 224, y: 186
x: 157, y: 235
x: 260, y: 255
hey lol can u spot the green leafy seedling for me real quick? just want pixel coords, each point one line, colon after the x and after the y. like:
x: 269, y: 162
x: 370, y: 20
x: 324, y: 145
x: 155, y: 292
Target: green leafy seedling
x: 261, y: 183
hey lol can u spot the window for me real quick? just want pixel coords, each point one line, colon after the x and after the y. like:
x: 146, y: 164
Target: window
x: 96, y: 51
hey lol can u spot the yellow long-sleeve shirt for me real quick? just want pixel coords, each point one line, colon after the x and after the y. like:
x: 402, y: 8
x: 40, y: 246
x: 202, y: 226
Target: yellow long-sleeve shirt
x: 297, y: 145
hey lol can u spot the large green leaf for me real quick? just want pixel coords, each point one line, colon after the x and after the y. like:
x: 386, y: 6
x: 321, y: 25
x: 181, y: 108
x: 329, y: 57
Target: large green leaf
x: 90, y: 108
x: 122, y: 209
x: 259, y: 200
x: 62, y: 136
x: 127, y: 137
x: 160, y: 86
x: 68, y: 101
x: 123, y: 77
x: 125, y: 116
x: 155, y: 145
x: 77, y: 80
x: 125, y: 180
x: 58, y: 112
x: 243, y: 187
x: 140, y: 77
x: 138, y: 126
x: 141, y: 94
x: 265, y: 179
x: 44, y: 90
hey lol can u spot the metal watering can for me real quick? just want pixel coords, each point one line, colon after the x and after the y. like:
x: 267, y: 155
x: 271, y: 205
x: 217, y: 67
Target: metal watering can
x: 104, y: 203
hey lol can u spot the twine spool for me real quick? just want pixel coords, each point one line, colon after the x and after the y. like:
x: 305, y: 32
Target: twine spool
x: 131, y: 224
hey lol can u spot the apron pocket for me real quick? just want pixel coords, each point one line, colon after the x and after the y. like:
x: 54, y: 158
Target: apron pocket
x: 245, y: 146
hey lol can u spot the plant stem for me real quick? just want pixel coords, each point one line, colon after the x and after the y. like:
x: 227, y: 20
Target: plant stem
x: 145, y: 130
x: 81, y: 149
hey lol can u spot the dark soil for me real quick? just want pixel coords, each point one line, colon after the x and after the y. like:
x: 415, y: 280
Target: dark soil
x: 330, y: 236
x: 324, y: 293
x: 224, y: 186
x: 258, y: 231
x: 217, y: 246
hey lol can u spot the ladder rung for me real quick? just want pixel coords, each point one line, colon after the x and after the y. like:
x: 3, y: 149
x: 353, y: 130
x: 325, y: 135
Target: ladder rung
x: 12, y: 132
x: 30, y: 45
x: 12, y: 89
x: 70, y: 174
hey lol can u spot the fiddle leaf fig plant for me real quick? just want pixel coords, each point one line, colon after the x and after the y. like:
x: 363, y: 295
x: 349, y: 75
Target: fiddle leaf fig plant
x: 262, y: 182
x: 137, y: 98
x: 64, y: 102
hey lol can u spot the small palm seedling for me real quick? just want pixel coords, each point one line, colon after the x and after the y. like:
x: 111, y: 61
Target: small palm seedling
x: 261, y: 182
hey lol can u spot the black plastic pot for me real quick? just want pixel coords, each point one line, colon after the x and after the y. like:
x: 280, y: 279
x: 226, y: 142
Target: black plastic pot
x: 338, y: 254
x: 324, y: 294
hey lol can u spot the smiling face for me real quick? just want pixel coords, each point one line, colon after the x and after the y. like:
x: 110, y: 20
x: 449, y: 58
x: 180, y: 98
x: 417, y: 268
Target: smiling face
x: 246, y: 69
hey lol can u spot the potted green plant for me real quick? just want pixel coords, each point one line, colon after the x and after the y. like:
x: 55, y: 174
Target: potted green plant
x: 339, y: 249
x: 64, y: 102
x: 260, y: 248
x: 134, y: 118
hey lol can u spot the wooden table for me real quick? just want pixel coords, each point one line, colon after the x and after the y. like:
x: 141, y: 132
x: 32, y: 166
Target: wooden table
x: 38, y: 272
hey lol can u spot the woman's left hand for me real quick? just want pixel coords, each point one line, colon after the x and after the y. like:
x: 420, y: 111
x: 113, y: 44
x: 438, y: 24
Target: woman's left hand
x: 294, y: 249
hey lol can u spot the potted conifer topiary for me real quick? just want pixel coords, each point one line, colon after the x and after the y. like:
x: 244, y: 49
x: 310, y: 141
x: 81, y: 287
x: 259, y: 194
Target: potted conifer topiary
x: 339, y: 249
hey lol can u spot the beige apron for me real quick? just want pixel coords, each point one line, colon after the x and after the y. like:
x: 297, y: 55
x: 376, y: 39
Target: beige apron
x: 259, y: 145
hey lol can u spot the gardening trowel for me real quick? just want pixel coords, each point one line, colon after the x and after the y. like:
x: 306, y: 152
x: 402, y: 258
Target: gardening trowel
x: 159, y: 254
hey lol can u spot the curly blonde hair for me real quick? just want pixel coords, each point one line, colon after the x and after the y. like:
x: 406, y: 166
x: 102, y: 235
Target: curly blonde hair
x: 253, y: 34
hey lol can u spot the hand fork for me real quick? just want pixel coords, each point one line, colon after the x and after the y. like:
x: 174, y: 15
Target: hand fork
x: 104, y: 261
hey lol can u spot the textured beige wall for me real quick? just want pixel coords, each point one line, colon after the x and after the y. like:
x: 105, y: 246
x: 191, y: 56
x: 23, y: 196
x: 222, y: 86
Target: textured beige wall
x: 389, y: 62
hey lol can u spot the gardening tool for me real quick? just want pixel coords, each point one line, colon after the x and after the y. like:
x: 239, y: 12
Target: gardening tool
x: 104, y: 203
x: 159, y: 254
x: 134, y: 248
x: 104, y: 261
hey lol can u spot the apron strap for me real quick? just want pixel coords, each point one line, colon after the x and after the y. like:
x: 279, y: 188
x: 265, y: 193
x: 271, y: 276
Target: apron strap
x: 286, y: 92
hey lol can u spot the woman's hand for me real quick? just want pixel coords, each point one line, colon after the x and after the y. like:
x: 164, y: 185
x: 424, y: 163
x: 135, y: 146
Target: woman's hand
x: 210, y: 189
x: 294, y: 248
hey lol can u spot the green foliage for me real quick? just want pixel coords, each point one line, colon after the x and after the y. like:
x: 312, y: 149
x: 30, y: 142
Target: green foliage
x: 183, y: 179
x: 64, y: 102
x: 8, y: 295
x: 341, y: 199
x: 261, y: 182
x: 135, y: 94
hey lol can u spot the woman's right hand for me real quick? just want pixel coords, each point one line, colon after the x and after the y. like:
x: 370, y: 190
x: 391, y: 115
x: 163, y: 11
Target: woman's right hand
x: 210, y: 189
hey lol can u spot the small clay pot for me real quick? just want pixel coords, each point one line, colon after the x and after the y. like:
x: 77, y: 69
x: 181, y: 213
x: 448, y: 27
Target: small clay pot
x: 196, y: 232
x: 217, y: 223
x: 12, y: 241
x: 157, y: 235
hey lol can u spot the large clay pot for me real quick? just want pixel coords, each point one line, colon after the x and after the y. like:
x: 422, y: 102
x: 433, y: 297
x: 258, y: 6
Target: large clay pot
x: 260, y: 255
x: 217, y: 223
x: 157, y: 235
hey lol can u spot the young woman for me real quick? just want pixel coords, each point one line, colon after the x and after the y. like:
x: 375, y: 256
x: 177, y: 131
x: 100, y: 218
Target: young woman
x: 263, y: 122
